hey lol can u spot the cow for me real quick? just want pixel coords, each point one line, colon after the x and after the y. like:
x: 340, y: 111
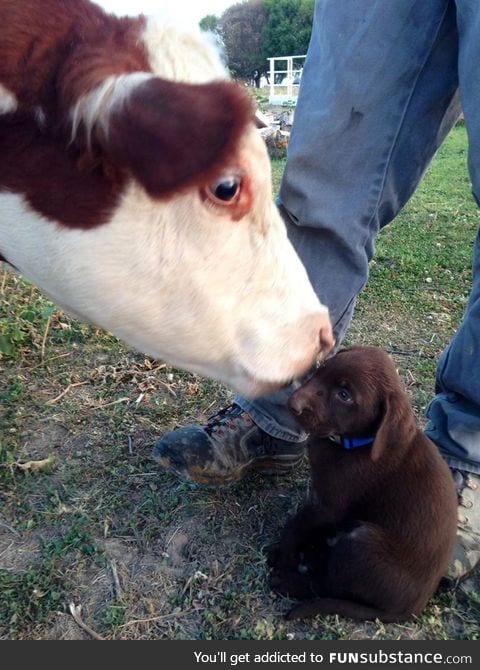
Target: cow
x: 135, y: 192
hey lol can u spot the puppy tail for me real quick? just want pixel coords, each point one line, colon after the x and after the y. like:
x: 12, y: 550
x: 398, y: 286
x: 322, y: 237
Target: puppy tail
x: 346, y: 608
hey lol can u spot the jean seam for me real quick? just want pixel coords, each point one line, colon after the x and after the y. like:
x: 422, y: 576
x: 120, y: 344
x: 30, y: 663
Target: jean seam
x: 456, y: 464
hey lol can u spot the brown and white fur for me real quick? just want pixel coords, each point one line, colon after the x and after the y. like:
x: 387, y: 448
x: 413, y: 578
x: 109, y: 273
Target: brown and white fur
x: 376, y: 533
x: 135, y: 192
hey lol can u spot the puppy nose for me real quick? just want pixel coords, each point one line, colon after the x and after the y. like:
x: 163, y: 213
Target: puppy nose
x: 298, y: 402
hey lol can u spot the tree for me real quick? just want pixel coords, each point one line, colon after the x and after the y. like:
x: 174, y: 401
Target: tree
x: 241, y: 28
x: 287, y: 28
x: 209, y: 23
x: 254, y: 30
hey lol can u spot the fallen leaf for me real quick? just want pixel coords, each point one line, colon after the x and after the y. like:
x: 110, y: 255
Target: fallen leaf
x: 37, y: 465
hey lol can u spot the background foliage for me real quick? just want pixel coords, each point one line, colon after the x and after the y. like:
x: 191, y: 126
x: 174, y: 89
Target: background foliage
x: 255, y: 30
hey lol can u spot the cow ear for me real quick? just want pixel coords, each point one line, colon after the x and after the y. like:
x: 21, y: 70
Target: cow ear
x: 397, y: 425
x: 171, y: 135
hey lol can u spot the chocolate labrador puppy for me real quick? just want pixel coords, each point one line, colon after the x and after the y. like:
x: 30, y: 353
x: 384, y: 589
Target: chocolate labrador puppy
x: 376, y: 533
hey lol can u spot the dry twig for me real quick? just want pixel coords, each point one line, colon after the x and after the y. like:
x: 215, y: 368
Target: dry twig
x: 44, y: 339
x: 75, y: 611
x: 117, y: 589
x: 64, y: 392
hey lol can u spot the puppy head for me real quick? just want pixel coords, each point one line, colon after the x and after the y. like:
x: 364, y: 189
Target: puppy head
x: 356, y: 393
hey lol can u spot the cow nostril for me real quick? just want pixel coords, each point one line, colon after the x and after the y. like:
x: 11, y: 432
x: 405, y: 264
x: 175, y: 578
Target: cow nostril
x: 318, y: 340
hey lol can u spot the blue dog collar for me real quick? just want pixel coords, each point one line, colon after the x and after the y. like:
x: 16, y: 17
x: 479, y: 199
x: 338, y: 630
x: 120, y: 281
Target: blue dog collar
x: 352, y: 442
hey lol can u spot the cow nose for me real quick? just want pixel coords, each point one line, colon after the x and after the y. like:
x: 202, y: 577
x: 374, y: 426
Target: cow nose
x: 326, y: 338
x: 315, y: 341
x: 319, y: 332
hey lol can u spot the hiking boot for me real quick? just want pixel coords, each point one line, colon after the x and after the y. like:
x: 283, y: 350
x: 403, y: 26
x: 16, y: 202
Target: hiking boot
x: 466, y: 553
x: 225, y: 449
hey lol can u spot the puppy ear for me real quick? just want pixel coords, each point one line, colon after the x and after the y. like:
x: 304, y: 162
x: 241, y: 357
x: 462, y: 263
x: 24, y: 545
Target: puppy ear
x: 397, y: 426
x: 170, y: 135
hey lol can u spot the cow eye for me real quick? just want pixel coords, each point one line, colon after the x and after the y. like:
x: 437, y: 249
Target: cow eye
x: 225, y: 190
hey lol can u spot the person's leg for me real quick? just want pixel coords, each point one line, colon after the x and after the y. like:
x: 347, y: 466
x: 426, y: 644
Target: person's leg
x: 454, y: 413
x: 378, y: 96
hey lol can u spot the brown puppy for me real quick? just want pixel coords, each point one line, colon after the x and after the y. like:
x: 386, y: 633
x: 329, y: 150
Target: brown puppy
x: 376, y: 533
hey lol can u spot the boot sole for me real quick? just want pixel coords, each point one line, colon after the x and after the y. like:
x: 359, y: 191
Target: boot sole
x: 264, y: 466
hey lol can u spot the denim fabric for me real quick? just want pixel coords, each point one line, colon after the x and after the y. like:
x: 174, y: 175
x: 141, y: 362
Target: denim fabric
x: 380, y: 91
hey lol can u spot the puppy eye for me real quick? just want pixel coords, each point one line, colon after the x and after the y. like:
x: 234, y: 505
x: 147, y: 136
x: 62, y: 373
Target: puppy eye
x: 225, y: 190
x: 344, y: 395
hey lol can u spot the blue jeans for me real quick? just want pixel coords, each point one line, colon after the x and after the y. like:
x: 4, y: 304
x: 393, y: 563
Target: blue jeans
x: 380, y: 91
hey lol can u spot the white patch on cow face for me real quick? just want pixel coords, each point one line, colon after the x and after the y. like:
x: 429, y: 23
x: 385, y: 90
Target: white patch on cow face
x: 94, y: 108
x: 8, y: 102
x: 227, y: 299
x: 189, y: 55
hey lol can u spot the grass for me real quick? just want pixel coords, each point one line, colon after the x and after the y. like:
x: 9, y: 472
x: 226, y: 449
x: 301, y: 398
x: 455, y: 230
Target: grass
x: 87, y: 517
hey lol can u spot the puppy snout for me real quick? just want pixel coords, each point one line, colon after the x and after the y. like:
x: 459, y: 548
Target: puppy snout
x: 299, y: 401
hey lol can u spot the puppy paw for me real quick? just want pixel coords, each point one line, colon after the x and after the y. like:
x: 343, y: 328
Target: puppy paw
x: 304, y: 610
x: 273, y: 553
x: 281, y: 556
x: 293, y: 614
x: 278, y: 581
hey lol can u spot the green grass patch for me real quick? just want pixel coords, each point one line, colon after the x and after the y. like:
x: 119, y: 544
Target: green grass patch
x: 30, y: 595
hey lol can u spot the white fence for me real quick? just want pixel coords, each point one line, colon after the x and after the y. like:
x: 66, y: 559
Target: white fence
x: 284, y: 79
